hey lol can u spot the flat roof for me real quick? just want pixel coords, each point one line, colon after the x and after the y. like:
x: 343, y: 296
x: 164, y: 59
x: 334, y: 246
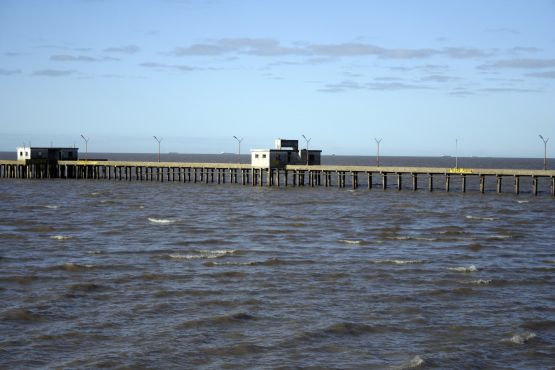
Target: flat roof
x: 46, y: 148
x: 282, y: 150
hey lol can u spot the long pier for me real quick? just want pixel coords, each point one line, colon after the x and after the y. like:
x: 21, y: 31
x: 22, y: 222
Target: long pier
x: 399, y: 178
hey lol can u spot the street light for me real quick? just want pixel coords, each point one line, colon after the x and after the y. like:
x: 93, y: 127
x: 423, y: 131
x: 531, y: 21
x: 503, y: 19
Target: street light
x: 86, y: 146
x: 307, y: 142
x: 159, y: 141
x: 239, y: 152
x: 544, y: 151
x: 456, y: 153
x: 378, y: 142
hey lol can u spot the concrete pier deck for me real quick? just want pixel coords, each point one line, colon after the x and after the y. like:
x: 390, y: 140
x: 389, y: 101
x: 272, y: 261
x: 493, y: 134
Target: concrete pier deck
x: 400, y: 178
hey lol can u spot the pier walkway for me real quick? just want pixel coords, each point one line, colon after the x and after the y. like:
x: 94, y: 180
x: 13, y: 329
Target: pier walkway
x: 399, y: 178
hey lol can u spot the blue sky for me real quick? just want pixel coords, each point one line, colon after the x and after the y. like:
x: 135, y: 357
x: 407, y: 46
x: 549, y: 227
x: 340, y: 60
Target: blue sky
x: 418, y: 74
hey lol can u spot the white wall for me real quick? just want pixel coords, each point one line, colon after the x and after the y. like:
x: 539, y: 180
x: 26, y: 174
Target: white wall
x: 260, y: 158
x: 23, y: 153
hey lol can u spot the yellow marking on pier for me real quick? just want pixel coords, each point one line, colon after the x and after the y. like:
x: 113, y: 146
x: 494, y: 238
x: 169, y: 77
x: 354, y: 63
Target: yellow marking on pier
x: 461, y: 171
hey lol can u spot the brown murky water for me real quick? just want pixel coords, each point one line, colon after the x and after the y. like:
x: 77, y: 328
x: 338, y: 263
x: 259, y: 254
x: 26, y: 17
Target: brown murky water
x: 172, y: 275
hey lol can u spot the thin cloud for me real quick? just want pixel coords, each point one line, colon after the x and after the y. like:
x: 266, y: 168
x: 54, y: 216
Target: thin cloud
x: 258, y: 47
x: 183, y: 68
x: 272, y: 47
x: 72, y: 58
x: 523, y: 49
x: 507, y: 90
x: 65, y: 48
x: 341, y: 87
x: 348, y: 85
x: 461, y: 92
x: 9, y: 72
x: 53, y: 73
x: 427, y: 67
x: 12, y: 54
x: 519, y: 63
x: 465, y: 53
x: 129, y: 49
x: 388, y: 79
x: 504, y: 31
x: 550, y: 74
x: 394, y: 86
x: 439, y: 78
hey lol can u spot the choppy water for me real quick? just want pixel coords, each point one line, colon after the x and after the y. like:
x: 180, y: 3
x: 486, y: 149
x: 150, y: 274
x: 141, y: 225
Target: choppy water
x: 172, y: 275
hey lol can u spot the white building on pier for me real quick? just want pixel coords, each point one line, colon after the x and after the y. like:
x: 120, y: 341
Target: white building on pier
x: 49, y: 154
x: 285, y: 152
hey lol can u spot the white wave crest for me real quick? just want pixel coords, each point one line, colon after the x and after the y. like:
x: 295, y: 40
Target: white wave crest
x: 470, y: 217
x: 521, y: 338
x: 348, y: 241
x: 501, y: 237
x: 399, y: 261
x: 161, y: 221
x: 481, y: 282
x: 414, y: 363
x: 418, y: 238
x: 471, y: 268
x: 60, y: 237
x: 51, y: 206
x: 522, y: 201
x: 203, y: 254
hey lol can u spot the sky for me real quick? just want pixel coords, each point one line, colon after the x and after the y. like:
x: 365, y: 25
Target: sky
x: 428, y: 77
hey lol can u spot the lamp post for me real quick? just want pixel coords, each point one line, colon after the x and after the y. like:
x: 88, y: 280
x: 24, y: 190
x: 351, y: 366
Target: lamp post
x: 86, y: 146
x: 544, y: 151
x: 239, y: 151
x: 378, y: 157
x: 456, y: 153
x: 307, y: 142
x: 159, y: 141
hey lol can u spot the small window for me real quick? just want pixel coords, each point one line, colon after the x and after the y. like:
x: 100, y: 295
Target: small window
x: 21, y: 154
x: 256, y: 156
x: 40, y: 154
x: 26, y: 154
x: 263, y: 155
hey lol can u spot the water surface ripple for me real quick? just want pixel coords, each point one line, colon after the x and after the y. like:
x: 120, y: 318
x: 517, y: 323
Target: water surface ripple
x: 172, y: 275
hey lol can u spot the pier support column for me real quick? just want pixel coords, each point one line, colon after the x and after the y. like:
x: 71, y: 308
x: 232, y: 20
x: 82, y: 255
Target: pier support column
x: 534, y: 185
x: 463, y: 183
x: 553, y: 186
x: 414, y: 182
x: 431, y: 182
x: 517, y: 184
x: 482, y: 184
x: 384, y: 181
x: 355, y: 179
x: 499, y: 184
x: 369, y: 180
x: 399, y: 182
x: 447, y: 183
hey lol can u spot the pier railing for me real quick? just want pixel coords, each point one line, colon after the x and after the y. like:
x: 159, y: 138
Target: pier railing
x: 400, y: 178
